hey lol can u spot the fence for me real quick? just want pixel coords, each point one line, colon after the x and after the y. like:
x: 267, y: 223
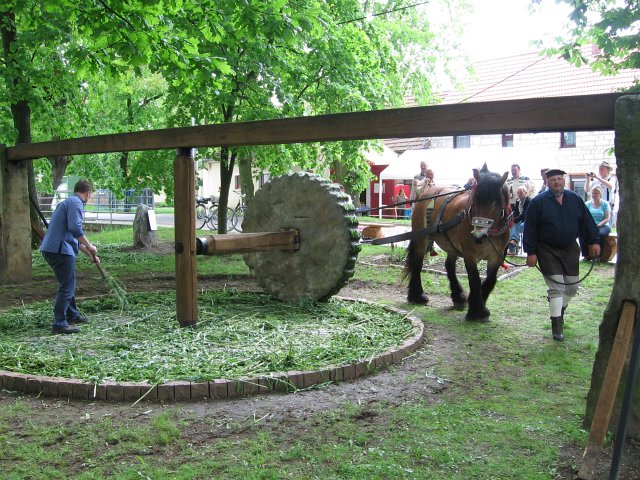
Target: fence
x: 102, y: 205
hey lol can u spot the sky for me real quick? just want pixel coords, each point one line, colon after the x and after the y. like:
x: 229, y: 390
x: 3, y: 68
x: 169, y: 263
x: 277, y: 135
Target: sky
x: 500, y: 28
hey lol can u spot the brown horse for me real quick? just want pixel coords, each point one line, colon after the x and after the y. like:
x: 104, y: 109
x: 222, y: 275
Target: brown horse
x: 481, y: 219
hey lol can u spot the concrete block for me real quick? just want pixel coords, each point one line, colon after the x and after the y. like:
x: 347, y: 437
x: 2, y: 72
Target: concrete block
x: 166, y: 392
x: 218, y: 388
x: 200, y: 390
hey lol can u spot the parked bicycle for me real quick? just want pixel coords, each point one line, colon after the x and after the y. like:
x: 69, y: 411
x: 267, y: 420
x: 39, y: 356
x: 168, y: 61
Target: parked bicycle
x: 207, y: 215
x: 238, y: 213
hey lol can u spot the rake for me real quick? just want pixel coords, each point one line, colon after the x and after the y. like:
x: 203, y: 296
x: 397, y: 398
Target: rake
x: 114, y: 286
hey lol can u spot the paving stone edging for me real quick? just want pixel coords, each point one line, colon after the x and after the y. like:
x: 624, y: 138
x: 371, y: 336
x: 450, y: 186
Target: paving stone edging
x: 58, y: 387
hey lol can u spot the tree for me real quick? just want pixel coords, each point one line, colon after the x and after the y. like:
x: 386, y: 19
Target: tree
x: 57, y: 52
x: 222, y: 61
x: 612, y: 27
x: 283, y: 59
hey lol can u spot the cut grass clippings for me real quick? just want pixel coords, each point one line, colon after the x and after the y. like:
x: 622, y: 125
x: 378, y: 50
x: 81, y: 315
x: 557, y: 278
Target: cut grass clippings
x: 237, y: 335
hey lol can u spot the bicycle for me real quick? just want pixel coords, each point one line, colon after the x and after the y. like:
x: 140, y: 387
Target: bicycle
x: 238, y: 213
x: 208, y: 214
x: 202, y: 214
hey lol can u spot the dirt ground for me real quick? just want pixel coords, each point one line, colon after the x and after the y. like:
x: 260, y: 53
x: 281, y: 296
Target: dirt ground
x: 405, y: 382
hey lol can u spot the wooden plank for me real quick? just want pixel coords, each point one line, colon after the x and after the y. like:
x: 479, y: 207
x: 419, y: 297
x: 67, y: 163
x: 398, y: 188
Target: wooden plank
x: 608, y: 392
x: 185, y: 236
x: 578, y: 113
x: 248, y: 242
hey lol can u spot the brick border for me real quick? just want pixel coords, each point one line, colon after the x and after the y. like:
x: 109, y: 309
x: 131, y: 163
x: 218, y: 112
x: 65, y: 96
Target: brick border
x: 176, y: 391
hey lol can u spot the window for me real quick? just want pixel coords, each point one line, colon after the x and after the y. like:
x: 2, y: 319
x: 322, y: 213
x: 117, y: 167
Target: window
x: 264, y: 178
x: 577, y: 184
x: 507, y: 139
x: 237, y: 182
x: 461, y: 141
x: 567, y: 139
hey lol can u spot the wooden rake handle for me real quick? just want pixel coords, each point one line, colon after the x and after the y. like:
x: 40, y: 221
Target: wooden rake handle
x: 99, y: 267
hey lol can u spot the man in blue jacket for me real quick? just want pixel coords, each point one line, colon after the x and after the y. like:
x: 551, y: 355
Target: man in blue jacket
x: 554, y: 220
x: 64, y: 238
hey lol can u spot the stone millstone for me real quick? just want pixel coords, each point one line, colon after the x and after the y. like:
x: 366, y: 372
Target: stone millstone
x: 329, y: 239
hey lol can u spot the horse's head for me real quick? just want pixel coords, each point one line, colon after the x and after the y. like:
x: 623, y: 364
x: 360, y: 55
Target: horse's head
x: 489, y: 201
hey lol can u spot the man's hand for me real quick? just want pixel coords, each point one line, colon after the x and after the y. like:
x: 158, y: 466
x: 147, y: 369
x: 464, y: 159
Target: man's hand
x: 532, y: 260
x: 594, y: 251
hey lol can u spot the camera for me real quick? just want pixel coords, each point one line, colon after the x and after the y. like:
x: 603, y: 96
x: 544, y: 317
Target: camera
x: 592, y: 175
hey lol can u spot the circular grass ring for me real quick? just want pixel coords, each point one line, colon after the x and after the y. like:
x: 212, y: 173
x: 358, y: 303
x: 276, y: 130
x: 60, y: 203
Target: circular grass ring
x: 244, y: 343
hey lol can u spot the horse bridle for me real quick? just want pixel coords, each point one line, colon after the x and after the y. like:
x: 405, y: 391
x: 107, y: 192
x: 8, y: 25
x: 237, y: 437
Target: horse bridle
x: 505, y: 216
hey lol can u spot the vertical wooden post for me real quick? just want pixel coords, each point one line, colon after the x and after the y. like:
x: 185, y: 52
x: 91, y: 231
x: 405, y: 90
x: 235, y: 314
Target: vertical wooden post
x: 185, y: 236
x: 608, y: 392
x: 15, y: 223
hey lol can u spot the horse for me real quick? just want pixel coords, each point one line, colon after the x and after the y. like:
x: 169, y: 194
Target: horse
x: 473, y: 224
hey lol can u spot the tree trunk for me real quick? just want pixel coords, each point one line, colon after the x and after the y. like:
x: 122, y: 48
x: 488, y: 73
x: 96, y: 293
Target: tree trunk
x: 340, y: 173
x: 20, y: 110
x: 59, y: 165
x: 245, y: 165
x: 627, y: 279
x: 227, y: 162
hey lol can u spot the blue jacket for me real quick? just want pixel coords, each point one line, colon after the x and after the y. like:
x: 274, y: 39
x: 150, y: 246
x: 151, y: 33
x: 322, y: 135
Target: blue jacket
x: 558, y: 225
x: 65, y: 227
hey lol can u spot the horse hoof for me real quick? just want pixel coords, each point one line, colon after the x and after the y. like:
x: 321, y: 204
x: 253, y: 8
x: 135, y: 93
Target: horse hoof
x: 481, y: 316
x: 421, y: 300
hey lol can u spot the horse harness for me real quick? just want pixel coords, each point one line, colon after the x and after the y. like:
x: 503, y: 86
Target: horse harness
x: 438, y: 226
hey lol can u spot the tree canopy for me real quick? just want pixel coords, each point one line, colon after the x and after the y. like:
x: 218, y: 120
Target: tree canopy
x: 95, y: 67
x: 610, y: 25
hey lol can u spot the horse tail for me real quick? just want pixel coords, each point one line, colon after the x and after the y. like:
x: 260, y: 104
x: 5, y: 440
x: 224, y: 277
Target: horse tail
x: 409, y: 260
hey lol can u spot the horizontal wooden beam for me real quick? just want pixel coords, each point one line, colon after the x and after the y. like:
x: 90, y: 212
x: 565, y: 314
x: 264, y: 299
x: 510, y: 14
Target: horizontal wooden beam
x: 287, y: 240
x: 578, y: 113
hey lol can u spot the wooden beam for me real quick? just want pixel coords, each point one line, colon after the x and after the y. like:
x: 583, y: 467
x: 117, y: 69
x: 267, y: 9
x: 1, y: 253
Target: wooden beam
x: 579, y: 113
x: 185, y: 235
x: 288, y: 240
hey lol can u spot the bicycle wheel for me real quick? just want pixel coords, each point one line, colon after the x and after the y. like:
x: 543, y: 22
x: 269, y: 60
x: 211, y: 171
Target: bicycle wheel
x: 213, y: 219
x: 238, y: 218
x: 201, y: 216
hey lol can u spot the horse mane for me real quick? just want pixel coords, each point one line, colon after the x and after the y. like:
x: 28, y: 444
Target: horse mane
x: 489, y: 187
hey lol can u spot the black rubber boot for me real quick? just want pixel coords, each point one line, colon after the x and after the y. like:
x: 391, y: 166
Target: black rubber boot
x: 557, y: 328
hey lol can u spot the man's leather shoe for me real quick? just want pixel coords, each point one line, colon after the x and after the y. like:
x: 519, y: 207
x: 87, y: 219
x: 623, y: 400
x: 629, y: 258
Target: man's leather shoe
x: 78, y: 320
x: 67, y: 329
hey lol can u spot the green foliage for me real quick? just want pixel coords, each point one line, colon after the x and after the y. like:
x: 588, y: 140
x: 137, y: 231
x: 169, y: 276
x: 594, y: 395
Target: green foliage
x: 609, y: 25
x: 89, y: 68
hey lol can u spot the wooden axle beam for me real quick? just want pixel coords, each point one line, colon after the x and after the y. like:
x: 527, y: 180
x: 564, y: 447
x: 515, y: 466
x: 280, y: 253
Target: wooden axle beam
x: 248, y: 242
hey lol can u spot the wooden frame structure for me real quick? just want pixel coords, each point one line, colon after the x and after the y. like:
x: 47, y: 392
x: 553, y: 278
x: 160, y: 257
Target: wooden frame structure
x: 579, y: 113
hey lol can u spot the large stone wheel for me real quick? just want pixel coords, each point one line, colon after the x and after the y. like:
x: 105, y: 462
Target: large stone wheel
x: 329, y: 240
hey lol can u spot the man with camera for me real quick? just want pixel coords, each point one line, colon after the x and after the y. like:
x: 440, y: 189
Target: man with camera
x: 607, y: 181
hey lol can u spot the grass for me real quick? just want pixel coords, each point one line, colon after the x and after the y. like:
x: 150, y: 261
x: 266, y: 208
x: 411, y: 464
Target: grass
x: 238, y: 335
x: 514, y: 400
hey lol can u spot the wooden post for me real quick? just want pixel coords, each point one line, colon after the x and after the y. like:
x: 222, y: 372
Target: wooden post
x: 15, y: 223
x: 185, y: 236
x: 608, y: 392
